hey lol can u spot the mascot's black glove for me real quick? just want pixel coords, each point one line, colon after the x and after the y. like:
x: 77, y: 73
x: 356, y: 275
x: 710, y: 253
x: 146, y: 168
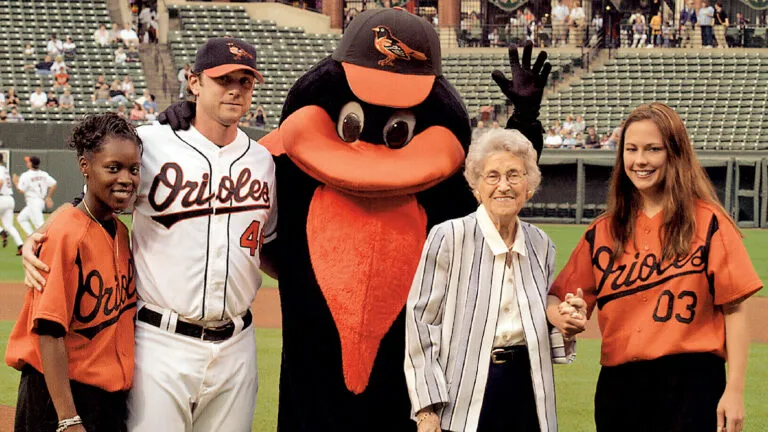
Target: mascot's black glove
x: 525, y: 91
x: 179, y: 115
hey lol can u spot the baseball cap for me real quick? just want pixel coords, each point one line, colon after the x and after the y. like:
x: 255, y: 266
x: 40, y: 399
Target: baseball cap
x: 220, y: 56
x: 390, y: 57
x: 34, y: 160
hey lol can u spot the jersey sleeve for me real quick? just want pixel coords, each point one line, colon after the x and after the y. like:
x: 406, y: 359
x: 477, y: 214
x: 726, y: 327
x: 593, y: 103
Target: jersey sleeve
x: 60, y: 252
x: 731, y: 272
x: 577, y: 273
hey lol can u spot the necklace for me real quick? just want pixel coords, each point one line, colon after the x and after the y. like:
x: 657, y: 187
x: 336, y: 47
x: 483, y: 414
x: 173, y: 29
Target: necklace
x: 116, y: 256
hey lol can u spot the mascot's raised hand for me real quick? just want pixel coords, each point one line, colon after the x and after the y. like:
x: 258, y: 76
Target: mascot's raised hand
x: 179, y: 115
x: 525, y: 91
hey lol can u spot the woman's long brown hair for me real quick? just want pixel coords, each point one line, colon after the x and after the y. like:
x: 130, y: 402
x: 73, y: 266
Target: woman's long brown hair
x: 684, y: 183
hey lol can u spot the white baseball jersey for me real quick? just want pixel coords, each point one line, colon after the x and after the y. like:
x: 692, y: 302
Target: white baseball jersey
x: 35, y: 184
x: 201, y: 216
x: 5, y: 189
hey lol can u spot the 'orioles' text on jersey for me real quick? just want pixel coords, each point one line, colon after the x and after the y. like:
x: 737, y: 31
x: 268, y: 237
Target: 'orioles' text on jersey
x: 35, y: 184
x: 91, y: 292
x: 201, y: 216
x: 649, y: 308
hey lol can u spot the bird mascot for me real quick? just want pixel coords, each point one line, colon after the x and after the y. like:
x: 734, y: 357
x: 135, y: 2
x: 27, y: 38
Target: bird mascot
x: 368, y: 157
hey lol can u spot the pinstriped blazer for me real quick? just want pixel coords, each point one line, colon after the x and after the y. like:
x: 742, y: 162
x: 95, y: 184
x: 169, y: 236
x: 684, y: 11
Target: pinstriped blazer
x: 452, y: 312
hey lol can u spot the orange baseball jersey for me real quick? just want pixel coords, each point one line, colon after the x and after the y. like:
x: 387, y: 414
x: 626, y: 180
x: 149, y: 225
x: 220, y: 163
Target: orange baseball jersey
x: 94, y: 303
x: 648, y: 308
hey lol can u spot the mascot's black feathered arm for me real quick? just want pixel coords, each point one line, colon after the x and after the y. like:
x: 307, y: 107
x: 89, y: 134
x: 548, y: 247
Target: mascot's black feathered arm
x: 525, y: 91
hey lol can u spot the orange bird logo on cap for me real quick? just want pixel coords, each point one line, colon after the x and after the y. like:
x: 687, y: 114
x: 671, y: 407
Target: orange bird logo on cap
x: 392, y: 47
x: 238, y: 52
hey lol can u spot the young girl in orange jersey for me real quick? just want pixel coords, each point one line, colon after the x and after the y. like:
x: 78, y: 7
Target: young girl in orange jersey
x: 668, y: 272
x: 74, y: 341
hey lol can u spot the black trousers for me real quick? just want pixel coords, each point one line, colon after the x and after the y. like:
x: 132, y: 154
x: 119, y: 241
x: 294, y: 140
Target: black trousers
x: 677, y: 393
x: 100, y: 410
x: 509, y: 403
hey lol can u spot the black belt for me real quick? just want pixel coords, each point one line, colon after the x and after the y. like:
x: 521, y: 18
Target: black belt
x: 507, y: 354
x: 213, y: 334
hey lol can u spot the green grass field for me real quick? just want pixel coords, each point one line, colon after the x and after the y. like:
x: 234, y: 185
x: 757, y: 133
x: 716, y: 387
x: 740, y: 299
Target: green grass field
x: 575, y: 383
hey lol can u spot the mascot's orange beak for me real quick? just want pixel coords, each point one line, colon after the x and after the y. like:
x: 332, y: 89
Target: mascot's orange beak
x: 308, y: 136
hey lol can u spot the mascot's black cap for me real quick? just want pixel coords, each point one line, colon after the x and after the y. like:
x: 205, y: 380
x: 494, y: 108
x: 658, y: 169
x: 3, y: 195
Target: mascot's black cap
x: 390, y: 57
x: 220, y: 56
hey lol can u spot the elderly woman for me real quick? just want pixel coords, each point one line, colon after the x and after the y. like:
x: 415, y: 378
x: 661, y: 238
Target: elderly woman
x: 478, y: 350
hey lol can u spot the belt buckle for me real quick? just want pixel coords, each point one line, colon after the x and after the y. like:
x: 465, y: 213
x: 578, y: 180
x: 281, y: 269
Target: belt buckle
x: 496, y: 360
x: 218, y: 334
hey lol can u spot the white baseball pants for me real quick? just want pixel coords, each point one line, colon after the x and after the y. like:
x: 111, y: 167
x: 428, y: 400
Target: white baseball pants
x: 31, y: 217
x: 184, y: 384
x: 6, y: 217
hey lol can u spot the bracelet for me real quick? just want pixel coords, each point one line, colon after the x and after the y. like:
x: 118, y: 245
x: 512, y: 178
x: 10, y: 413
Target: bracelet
x: 67, y: 423
x: 421, y: 417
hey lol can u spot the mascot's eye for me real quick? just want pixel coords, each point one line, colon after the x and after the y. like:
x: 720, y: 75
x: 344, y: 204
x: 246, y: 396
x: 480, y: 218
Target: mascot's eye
x: 399, y: 129
x: 351, y: 121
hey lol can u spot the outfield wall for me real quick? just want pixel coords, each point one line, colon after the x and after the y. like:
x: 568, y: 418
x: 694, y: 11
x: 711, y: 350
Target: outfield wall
x: 573, y: 189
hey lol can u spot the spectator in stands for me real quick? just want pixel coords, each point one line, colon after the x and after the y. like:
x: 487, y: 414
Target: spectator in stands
x: 129, y: 36
x: 53, y: 101
x: 11, y: 100
x: 44, y: 67
x: 3, y: 116
x: 2, y: 100
x: 246, y: 120
x: 742, y: 23
x: 569, y: 142
x: 121, y: 111
x: 61, y: 80
x: 182, y: 76
x: 102, y: 36
x: 705, y: 19
x: 67, y: 101
x: 58, y: 65
x: 100, y: 80
x: 127, y: 87
x: 54, y: 46
x: 151, y: 114
x: 14, y: 116
x: 578, y: 125
x: 145, y: 18
x: 615, y: 137
x: 553, y: 140
x: 667, y: 34
x: 120, y: 56
x: 29, y: 52
x: 116, y: 93
x: 137, y: 112
x: 259, y: 119
x: 579, y: 140
x: 132, y: 56
x: 597, y: 23
x: 578, y: 22
x: 70, y: 48
x: 560, y: 16
x: 639, y: 29
x: 493, y: 38
x: 38, y: 99
x: 605, y: 142
x: 101, y: 94
x: 151, y: 34
x: 478, y: 131
x: 591, y: 141
x: 557, y: 127
x: 567, y: 125
x: 655, y: 24
x: 114, y: 35
x: 721, y: 24
x: 687, y: 23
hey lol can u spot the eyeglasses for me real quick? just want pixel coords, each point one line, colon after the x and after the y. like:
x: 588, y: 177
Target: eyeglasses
x: 513, y: 177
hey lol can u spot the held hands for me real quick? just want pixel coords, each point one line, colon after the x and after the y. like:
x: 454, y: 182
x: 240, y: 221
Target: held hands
x: 526, y: 87
x: 730, y: 412
x: 32, y: 265
x: 570, y: 316
x: 428, y: 421
x: 179, y: 115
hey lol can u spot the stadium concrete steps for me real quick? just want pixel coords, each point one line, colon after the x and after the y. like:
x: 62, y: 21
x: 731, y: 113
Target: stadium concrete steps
x: 160, y: 73
x: 595, y: 62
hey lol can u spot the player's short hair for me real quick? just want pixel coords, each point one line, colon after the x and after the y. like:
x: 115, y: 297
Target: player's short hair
x: 90, y: 133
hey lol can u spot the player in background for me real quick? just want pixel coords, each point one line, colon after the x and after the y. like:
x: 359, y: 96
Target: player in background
x: 37, y: 186
x: 7, y: 205
x: 206, y: 205
x: 668, y: 271
x: 73, y: 343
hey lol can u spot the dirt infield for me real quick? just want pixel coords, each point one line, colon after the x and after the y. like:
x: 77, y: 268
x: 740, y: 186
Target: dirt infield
x: 266, y: 314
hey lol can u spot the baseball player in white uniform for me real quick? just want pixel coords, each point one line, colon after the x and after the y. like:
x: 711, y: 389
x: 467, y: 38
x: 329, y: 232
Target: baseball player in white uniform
x: 37, y: 186
x: 205, y: 207
x: 6, y: 207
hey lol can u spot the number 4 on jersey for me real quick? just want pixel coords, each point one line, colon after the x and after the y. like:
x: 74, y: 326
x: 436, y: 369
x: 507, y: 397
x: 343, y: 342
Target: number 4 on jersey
x: 251, y: 239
